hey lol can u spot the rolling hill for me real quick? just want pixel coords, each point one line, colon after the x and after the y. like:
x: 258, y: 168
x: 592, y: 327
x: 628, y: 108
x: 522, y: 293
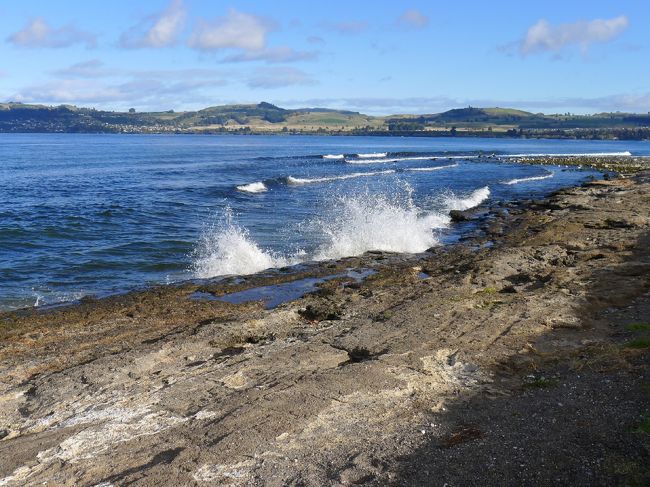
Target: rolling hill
x: 268, y: 118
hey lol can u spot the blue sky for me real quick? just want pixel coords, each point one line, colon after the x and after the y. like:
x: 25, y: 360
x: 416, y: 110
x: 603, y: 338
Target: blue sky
x: 376, y: 57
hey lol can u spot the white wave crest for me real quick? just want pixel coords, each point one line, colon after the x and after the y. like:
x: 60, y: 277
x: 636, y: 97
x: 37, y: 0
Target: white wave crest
x: 532, y: 178
x: 333, y: 156
x: 370, y: 155
x: 575, y: 154
x: 436, y: 168
x: 391, y: 159
x: 375, y: 222
x: 301, y: 181
x: 453, y: 202
x: 227, y: 248
x: 258, y: 187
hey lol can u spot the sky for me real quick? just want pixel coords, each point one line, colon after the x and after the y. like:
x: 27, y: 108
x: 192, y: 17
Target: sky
x: 377, y: 57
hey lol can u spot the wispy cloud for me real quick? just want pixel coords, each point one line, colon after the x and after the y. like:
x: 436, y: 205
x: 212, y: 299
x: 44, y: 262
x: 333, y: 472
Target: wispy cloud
x: 91, y: 83
x: 545, y: 37
x: 348, y: 27
x: 413, y: 19
x: 279, y: 77
x: 93, y: 68
x: 626, y: 102
x: 39, y: 34
x: 159, y: 30
x: 280, y: 54
x: 236, y: 30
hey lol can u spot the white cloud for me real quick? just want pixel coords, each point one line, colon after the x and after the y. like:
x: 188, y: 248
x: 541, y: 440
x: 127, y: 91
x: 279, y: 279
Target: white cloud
x: 144, y: 89
x: 413, y: 19
x: 157, y: 31
x: 543, y: 36
x: 280, y: 54
x: 279, y: 77
x: 237, y: 30
x: 38, y: 33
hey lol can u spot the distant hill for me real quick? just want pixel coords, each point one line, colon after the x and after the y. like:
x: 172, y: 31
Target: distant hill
x: 268, y: 118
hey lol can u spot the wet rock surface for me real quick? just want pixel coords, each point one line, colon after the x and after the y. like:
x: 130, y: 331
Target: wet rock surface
x: 520, y: 362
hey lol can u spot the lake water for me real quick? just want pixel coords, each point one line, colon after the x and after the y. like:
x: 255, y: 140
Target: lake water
x: 95, y: 214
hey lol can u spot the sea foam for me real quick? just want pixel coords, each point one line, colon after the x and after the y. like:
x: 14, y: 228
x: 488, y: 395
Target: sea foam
x: 574, y: 154
x: 257, y: 187
x: 301, y: 181
x: 453, y: 202
x: 372, y: 155
x: 333, y: 156
x: 390, y: 159
x: 434, y: 168
x: 532, y: 178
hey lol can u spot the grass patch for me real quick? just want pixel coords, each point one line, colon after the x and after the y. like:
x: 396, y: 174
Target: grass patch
x: 382, y: 316
x: 489, y: 304
x: 638, y: 343
x: 600, y: 357
x: 644, y: 424
x: 489, y: 290
x: 456, y: 299
x: 638, y: 327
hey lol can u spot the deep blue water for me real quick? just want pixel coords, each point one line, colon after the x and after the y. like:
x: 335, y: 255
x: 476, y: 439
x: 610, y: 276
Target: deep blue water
x: 93, y: 214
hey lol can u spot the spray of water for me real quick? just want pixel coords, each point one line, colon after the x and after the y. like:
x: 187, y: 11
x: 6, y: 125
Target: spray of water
x: 353, y: 225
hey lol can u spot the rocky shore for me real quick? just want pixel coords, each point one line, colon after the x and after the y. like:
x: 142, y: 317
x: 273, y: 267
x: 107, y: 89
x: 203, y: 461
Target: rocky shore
x: 519, y: 357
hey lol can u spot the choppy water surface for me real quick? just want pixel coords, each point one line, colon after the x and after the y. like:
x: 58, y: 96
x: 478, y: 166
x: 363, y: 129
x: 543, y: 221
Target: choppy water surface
x: 94, y: 214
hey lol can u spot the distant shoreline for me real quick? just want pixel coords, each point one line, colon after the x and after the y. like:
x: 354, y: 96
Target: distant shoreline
x: 423, y: 134
x: 267, y: 119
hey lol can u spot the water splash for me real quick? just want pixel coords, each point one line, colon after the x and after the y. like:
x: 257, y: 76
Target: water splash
x: 353, y: 225
x: 378, y: 222
x: 227, y: 248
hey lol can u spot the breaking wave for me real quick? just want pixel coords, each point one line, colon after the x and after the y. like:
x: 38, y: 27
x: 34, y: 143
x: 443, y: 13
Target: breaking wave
x: 434, y: 168
x: 532, y: 178
x: 301, y: 181
x: 354, y: 225
x: 453, y: 202
x: 257, y: 187
x: 391, y: 159
x: 226, y: 248
x: 575, y: 154
x: 334, y: 156
x: 373, y: 222
x: 371, y: 155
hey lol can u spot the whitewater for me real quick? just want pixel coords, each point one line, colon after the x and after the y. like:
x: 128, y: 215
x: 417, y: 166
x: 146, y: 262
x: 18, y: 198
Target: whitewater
x: 356, y: 224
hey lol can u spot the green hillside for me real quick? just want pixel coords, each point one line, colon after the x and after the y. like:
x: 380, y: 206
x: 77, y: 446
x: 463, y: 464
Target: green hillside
x: 268, y: 118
